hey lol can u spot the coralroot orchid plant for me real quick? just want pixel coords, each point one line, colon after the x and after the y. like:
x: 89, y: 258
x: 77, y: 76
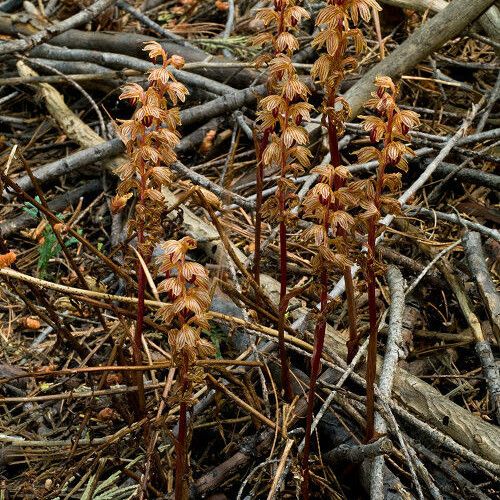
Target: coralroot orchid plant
x: 335, y: 21
x: 150, y: 137
x: 186, y: 286
x: 327, y: 202
x: 284, y: 17
x: 283, y: 144
x: 391, y: 127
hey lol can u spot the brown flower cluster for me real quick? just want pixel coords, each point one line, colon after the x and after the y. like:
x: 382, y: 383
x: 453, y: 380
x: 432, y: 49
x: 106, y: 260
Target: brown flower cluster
x: 328, y: 208
x: 150, y: 137
x: 282, y: 112
x: 334, y: 21
x: 390, y: 125
x: 186, y: 286
x: 328, y: 201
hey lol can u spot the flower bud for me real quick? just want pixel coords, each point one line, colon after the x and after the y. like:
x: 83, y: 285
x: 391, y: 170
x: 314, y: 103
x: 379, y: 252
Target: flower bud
x: 177, y: 61
x: 119, y: 202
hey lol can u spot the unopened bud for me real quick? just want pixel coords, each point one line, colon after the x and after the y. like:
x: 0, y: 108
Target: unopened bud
x: 119, y: 202
x: 177, y: 61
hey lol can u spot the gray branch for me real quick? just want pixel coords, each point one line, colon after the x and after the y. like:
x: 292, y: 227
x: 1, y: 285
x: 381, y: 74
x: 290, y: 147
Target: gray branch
x: 83, y: 17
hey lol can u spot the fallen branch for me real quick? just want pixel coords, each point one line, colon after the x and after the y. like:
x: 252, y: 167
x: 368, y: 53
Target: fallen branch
x: 480, y: 272
x: 490, y: 20
x: 357, y: 454
x: 83, y: 17
x: 121, y: 61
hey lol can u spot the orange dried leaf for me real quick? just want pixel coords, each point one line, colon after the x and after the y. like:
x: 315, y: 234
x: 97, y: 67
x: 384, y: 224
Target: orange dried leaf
x: 7, y: 259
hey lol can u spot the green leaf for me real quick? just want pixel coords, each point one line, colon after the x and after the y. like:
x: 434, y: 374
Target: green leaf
x: 31, y: 209
x: 216, y: 335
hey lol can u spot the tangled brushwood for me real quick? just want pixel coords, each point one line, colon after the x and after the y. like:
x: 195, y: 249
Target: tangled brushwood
x: 201, y: 306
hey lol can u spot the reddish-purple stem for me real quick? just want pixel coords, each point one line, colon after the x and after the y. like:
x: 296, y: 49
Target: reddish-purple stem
x: 180, y: 449
x: 319, y: 334
x: 319, y: 340
x: 353, y: 342
x: 139, y: 327
x: 371, y: 359
x: 284, y: 362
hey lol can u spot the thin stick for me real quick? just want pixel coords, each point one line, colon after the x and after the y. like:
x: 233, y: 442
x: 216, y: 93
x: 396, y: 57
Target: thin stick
x: 395, y: 280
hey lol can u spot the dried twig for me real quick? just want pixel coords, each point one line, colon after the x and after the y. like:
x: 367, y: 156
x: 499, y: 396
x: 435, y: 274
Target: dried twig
x: 57, y: 204
x: 453, y: 218
x: 122, y: 4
